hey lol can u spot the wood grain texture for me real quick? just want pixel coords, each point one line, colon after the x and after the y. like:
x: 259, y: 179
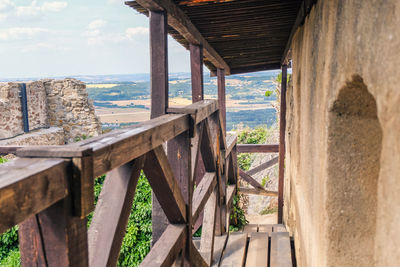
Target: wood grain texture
x: 167, y: 248
x: 198, y: 111
x: 250, y: 180
x: 234, y: 254
x: 207, y: 149
x: 196, y: 67
x: 265, y: 228
x: 165, y: 186
x: 263, y: 166
x: 202, y: 193
x: 231, y: 140
x: 82, y: 186
x: 250, y: 148
x: 55, y: 237
x: 178, y: 20
x: 258, y: 192
x: 208, y: 228
x: 221, y: 95
x: 257, y: 252
x: 250, y: 228
x: 280, y: 250
x: 197, y: 258
x: 119, y: 147
x: 282, y: 129
x: 158, y: 63
x: 111, y: 215
x: 179, y: 158
x: 28, y: 186
x: 219, y: 246
x: 279, y: 228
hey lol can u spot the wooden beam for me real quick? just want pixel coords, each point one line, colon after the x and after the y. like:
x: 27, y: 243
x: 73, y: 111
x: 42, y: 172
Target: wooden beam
x: 179, y: 158
x: 250, y: 148
x: 250, y: 179
x: 164, y: 185
x: 207, y: 149
x: 208, y: 228
x: 282, y: 128
x: 54, y: 237
x: 258, y: 192
x: 221, y: 95
x: 5, y: 150
x: 167, y: 248
x: 198, y: 111
x: 231, y: 140
x: 202, y: 193
x: 263, y: 166
x: 257, y: 253
x: 111, y: 215
x: 158, y: 63
x: 28, y: 186
x: 178, y: 20
x: 281, y: 253
x: 196, y: 67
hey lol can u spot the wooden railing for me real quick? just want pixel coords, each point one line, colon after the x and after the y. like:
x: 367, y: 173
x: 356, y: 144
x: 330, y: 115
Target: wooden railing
x: 257, y: 188
x: 48, y: 190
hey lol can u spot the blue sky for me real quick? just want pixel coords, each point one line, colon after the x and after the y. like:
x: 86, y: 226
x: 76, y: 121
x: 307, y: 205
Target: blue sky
x: 54, y: 38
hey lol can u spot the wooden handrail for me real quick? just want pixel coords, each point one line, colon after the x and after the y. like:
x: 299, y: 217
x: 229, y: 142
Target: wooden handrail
x: 256, y: 148
x: 28, y: 186
x: 57, y: 181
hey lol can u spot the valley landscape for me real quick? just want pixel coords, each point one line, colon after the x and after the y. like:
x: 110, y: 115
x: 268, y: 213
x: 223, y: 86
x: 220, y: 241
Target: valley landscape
x: 122, y: 100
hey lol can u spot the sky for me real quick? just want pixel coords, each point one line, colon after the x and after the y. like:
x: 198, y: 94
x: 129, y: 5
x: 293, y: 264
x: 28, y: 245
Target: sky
x: 46, y: 38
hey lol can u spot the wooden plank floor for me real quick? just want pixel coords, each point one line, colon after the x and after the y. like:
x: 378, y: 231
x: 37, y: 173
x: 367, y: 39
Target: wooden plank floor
x: 257, y: 245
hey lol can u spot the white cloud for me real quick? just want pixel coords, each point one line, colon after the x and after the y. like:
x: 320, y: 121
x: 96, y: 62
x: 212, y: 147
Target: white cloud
x: 34, y: 9
x: 130, y: 33
x: 21, y: 33
x: 94, y: 32
x: 43, y: 47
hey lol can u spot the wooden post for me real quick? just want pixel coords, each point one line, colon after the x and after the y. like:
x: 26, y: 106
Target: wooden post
x: 282, y: 127
x: 221, y: 95
x: 159, y: 63
x: 159, y: 96
x: 179, y: 157
x: 196, y: 66
x: 54, y: 238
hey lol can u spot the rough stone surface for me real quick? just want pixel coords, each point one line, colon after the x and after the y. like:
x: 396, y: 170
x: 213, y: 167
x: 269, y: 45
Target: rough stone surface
x: 342, y: 175
x: 51, y: 103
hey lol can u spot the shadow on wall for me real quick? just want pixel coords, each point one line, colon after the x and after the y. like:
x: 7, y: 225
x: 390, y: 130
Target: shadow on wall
x: 354, y: 148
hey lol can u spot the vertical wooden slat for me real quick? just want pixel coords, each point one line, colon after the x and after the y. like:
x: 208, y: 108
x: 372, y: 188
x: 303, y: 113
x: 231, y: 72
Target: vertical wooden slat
x: 179, y: 157
x: 159, y: 96
x: 221, y: 95
x: 282, y: 127
x: 208, y: 230
x: 54, y: 238
x: 196, y: 65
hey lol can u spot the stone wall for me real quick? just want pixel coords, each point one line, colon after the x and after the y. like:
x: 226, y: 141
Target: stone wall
x: 342, y: 177
x: 51, y: 103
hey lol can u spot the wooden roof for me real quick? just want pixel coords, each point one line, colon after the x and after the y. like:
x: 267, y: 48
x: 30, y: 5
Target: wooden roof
x: 238, y: 35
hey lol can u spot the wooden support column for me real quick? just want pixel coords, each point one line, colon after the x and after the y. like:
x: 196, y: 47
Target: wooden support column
x: 221, y: 95
x: 179, y: 157
x: 196, y: 66
x: 159, y: 95
x: 282, y: 127
x: 54, y: 237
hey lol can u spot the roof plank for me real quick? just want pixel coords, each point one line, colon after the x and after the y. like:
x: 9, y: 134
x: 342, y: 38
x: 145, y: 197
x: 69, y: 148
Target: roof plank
x: 181, y: 23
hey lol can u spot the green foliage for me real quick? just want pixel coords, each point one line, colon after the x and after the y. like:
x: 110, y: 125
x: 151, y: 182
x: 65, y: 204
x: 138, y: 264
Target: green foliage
x: 13, y: 259
x: 264, y: 180
x: 137, y: 238
x: 136, y: 243
x: 268, y: 93
x: 9, y: 254
x: 237, y: 217
x: 269, y: 210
